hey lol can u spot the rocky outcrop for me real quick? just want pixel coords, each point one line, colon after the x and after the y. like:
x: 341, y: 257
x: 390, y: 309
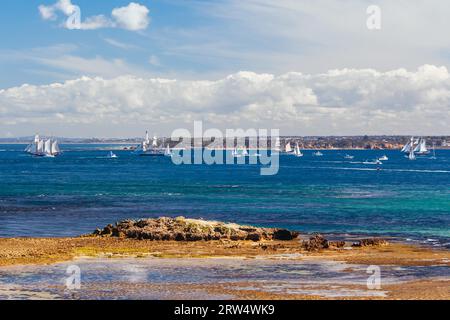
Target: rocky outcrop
x: 182, y: 229
x: 370, y: 242
x: 315, y: 243
x: 318, y: 242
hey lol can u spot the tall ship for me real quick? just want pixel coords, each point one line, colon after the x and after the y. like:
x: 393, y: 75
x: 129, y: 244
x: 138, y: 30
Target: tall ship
x: 149, y: 147
x: 410, y: 148
x: 44, y: 147
x: 416, y: 146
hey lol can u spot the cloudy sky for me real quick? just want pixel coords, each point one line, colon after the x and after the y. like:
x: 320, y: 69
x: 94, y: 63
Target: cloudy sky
x: 305, y: 67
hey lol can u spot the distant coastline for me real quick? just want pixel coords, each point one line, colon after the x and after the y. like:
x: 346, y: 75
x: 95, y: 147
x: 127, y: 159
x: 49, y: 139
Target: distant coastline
x: 305, y: 142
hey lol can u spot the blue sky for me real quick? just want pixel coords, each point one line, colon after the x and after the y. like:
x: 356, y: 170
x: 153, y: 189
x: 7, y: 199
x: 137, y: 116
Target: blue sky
x: 307, y: 67
x: 24, y: 31
x: 187, y: 39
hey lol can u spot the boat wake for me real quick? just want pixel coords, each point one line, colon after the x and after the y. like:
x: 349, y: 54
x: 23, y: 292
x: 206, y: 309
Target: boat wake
x: 376, y: 169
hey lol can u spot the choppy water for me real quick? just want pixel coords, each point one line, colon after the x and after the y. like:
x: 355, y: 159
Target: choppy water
x: 83, y: 189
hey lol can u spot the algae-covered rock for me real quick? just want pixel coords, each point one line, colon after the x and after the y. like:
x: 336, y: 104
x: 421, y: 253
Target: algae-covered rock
x: 182, y: 229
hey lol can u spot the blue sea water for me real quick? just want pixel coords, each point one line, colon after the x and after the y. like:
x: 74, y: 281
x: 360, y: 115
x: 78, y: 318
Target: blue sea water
x: 83, y: 189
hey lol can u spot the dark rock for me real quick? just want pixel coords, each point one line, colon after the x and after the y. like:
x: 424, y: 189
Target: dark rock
x: 315, y: 243
x: 255, y: 236
x: 283, y: 234
x: 107, y: 230
x: 180, y: 237
x: 370, y: 242
x: 336, y: 244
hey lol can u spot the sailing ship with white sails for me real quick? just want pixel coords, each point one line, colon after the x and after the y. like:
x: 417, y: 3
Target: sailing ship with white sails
x: 297, y: 151
x: 288, y: 148
x: 149, y: 148
x: 416, y: 146
x: 168, y: 152
x: 433, y: 157
x: 410, y: 148
x: 44, y: 147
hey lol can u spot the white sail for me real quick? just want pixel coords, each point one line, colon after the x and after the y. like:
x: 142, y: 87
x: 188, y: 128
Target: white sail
x: 298, y: 153
x: 31, y: 148
x: 407, y: 147
x: 40, y: 146
x: 434, y: 152
x: 277, y: 144
x: 55, y: 148
x: 155, y: 142
x: 48, y: 147
x: 168, y: 151
x: 244, y: 151
x: 412, y: 155
x: 417, y: 146
x: 288, y: 148
x: 423, y: 146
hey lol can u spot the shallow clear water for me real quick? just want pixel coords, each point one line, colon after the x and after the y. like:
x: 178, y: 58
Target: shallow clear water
x: 155, y: 278
x: 83, y: 189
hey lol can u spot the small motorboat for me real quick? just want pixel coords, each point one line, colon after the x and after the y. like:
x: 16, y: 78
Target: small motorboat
x: 235, y: 153
x: 349, y: 157
x: 318, y: 154
x: 374, y: 162
x: 383, y: 158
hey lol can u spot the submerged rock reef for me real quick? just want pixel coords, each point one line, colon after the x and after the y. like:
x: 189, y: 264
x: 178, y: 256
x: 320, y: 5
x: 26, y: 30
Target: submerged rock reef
x: 182, y: 229
x: 318, y: 242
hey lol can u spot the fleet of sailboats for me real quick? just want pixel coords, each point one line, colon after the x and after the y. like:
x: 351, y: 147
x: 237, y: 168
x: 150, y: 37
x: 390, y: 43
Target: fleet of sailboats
x: 43, y: 147
x: 49, y: 147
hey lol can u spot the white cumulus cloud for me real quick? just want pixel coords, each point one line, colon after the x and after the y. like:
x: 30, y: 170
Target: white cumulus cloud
x: 345, y: 101
x: 133, y: 17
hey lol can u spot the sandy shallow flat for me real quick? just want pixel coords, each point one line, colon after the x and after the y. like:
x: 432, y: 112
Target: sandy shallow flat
x: 131, y: 269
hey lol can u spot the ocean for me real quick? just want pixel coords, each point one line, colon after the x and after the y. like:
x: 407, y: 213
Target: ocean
x: 84, y: 189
